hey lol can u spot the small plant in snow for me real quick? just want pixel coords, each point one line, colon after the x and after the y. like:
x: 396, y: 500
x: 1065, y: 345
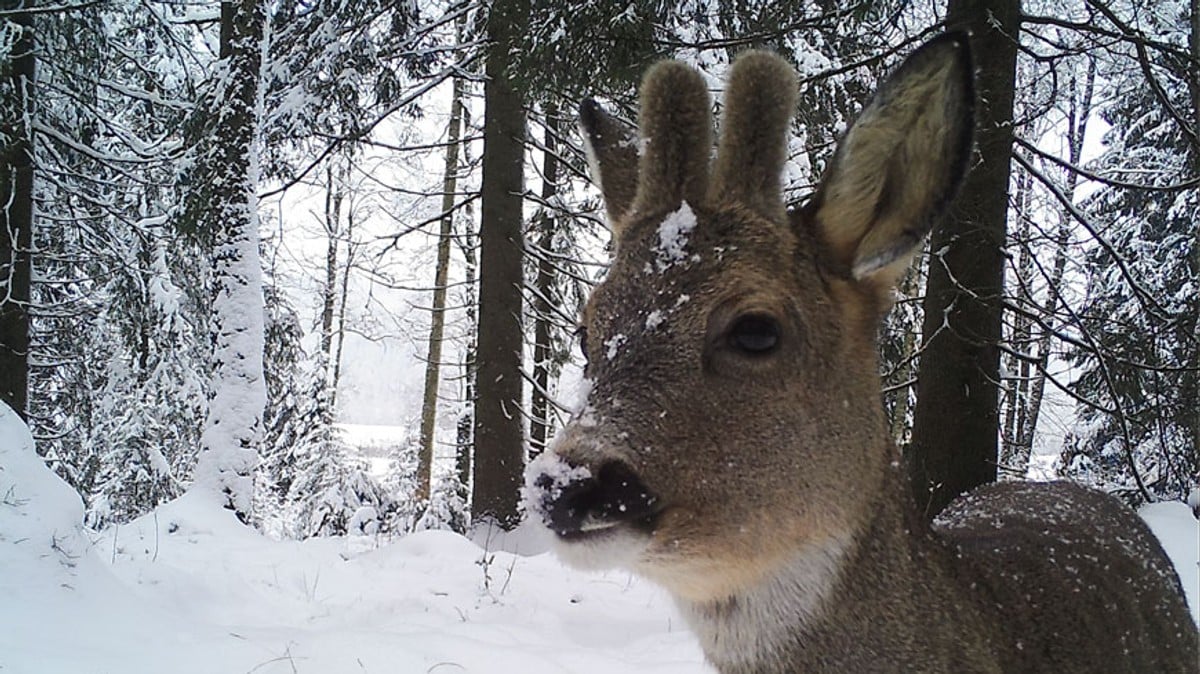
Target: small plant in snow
x: 447, y: 509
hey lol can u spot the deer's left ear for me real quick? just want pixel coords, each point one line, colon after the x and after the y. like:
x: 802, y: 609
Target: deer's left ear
x: 611, y: 148
x: 899, y: 166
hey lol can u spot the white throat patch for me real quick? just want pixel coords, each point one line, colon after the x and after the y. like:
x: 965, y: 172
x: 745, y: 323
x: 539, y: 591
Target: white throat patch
x: 758, y: 624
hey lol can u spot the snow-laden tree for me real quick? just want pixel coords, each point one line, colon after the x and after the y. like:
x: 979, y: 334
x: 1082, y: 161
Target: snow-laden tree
x: 309, y: 481
x: 446, y: 507
x: 222, y: 207
x: 1138, y: 347
x: 146, y: 421
x: 331, y: 492
x: 284, y: 425
x: 116, y: 351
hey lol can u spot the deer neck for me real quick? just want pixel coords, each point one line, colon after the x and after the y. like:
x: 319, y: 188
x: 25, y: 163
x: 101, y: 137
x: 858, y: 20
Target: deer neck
x: 886, y: 585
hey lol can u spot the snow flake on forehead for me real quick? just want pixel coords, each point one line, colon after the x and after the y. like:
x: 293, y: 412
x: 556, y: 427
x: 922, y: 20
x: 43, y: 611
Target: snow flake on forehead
x: 656, y: 318
x: 614, y: 345
x: 673, y: 236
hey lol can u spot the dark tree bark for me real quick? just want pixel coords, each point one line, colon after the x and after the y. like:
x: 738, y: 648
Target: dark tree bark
x: 956, y: 418
x: 499, y: 442
x: 16, y: 211
x: 1194, y: 94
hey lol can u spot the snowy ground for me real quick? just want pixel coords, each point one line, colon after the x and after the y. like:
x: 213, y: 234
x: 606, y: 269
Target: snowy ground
x: 188, y: 589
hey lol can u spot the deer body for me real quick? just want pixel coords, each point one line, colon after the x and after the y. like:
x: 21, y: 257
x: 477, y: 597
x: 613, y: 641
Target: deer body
x: 733, y: 448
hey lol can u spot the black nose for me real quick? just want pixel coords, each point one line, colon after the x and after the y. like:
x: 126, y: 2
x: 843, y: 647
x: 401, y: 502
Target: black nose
x: 612, y: 495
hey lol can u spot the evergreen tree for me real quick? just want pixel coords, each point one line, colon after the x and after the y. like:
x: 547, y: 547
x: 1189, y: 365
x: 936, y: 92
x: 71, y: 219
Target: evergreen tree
x: 115, y: 385
x: 1139, y: 351
x: 332, y: 494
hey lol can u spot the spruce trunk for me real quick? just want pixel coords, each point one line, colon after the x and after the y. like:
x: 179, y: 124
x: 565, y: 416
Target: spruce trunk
x: 499, y: 442
x: 233, y: 432
x: 956, y: 419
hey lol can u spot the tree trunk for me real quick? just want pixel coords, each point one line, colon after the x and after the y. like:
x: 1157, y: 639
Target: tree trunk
x: 437, y: 321
x: 229, y: 444
x: 340, y: 333
x: 543, y: 285
x: 334, y: 186
x: 16, y: 212
x: 1194, y: 91
x: 499, y: 445
x: 1017, y: 371
x: 910, y: 286
x: 465, y: 432
x: 957, y: 413
x: 333, y: 216
x: 1079, y: 113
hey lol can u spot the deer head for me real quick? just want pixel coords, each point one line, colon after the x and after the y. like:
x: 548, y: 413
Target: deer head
x: 734, y: 424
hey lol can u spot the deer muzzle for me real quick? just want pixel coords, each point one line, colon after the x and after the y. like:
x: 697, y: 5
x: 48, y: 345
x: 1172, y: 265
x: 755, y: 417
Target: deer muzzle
x: 577, y: 502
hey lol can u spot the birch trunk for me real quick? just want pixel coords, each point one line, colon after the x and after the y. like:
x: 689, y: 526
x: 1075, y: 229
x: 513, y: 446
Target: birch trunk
x: 1017, y: 370
x: 1078, y: 114
x: 336, y: 377
x: 334, y: 194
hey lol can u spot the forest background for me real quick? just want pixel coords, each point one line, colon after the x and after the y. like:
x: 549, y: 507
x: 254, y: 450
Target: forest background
x: 233, y: 233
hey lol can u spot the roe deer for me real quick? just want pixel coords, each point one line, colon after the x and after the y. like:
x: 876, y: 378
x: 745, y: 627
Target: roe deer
x: 733, y: 447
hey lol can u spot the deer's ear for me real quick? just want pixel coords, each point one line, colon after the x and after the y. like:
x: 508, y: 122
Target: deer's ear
x: 612, y: 152
x: 899, y: 165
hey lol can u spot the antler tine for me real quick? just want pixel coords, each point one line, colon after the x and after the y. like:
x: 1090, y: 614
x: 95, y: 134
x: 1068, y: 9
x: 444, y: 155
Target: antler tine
x: 676, y: 130
x: 759, y: 102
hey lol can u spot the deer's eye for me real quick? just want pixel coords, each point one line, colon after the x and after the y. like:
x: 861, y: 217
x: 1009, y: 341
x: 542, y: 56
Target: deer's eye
x: 754, y: 334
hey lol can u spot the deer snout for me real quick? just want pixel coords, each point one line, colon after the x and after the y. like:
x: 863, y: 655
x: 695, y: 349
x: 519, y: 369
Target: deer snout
x: 575, y: 501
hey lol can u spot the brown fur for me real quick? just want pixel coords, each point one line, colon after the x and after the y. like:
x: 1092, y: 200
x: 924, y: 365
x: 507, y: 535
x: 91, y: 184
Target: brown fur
x: 676, y: 125
x: 761, y: 98
x: 614, y: 157
x: 781, y: 518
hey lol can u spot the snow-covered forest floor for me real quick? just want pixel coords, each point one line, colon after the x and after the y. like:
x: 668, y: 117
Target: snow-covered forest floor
x: 187, y: 588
